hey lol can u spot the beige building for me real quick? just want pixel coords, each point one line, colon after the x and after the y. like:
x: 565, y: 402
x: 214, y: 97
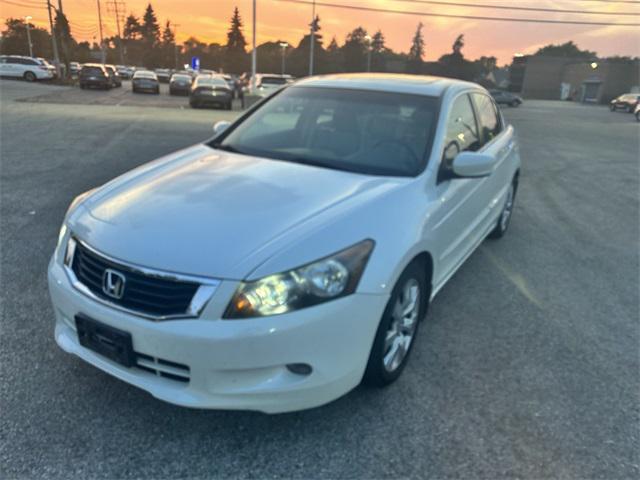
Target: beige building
x: 559, y: 78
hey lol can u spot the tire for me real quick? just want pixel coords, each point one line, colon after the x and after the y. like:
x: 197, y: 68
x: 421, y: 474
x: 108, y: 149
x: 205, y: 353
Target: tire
x: 193, y: 104
x: 630, y: 109
x: 383, y: 367
x: 82, y: 86
x: 507, y: 212
x: 157, y: 92
x: 30, y: 76
x: 514, y: 104
x: 637, y: 116
x: 612, y: 107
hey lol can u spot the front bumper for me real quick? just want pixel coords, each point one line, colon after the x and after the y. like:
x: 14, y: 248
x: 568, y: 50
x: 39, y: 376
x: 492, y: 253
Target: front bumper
x: 235, y: 364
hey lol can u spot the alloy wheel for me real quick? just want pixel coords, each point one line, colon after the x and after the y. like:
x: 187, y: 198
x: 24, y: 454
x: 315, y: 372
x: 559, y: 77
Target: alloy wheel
x: 403, y: 325
x: 508, y: 208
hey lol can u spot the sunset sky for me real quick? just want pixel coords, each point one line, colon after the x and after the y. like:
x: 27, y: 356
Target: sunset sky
x: 208, y: 20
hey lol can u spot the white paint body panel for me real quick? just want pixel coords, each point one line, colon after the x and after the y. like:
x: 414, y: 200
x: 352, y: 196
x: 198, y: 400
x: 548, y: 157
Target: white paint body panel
x: 216, y: 214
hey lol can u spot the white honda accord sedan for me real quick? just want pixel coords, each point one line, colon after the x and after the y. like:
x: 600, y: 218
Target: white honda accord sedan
x: 293, y: 256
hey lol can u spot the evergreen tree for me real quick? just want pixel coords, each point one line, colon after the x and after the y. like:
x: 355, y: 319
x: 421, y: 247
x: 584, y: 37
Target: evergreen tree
x: 132, y: 28
x: 457, y: 45
x: 150, y: 30
x: 417, y: 45
x: 235, y: 57
x: 333, y: 45
x: 168, y: 38
x: 236, y: 42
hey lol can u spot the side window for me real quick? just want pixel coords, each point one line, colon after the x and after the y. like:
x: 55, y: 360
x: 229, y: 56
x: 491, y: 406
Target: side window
x: 488, y: 117
x: 462, y: 131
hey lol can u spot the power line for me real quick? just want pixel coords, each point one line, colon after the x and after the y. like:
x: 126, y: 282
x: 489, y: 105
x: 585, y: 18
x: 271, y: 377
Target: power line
x: 18, y: 4
x: 465, y: 17
x: 527, y: 9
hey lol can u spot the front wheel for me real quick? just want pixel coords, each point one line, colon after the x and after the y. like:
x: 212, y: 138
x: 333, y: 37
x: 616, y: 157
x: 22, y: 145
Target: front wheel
x: 398, y: 327
x: 612, y: 108
x: 507, y: 211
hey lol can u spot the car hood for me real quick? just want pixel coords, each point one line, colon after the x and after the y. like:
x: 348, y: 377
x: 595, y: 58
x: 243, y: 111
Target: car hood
x: 217, y: 214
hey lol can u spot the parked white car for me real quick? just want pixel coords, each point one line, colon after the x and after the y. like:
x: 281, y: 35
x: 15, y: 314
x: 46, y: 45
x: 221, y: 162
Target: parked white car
x: 28, y: 68
x: 279, y: 264
x: 266, y: 84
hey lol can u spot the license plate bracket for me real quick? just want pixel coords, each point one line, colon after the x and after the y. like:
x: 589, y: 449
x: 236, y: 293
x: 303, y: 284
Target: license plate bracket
x: 112, y: 343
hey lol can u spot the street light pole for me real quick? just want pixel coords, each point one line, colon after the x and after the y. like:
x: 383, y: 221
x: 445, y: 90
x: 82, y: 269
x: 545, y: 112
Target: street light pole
x: 253, y: 51
x: 367, y: 39
x: 284, y: 46
x: 313, y: 37
x: 28, y: 19
x: 175, y: 40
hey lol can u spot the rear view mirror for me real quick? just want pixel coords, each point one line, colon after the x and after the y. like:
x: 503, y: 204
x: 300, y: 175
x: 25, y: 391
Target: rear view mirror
x: 220, y: 126
x: 473, y: 164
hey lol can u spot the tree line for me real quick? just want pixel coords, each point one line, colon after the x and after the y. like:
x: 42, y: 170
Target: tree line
x: 144, y: 42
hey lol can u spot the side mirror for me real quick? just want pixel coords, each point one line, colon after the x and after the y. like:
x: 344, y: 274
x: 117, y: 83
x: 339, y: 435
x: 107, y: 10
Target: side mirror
x: 220, y: 126
x: 473, y: 164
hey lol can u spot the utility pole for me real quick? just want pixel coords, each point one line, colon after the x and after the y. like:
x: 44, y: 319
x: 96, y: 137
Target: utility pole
x: 103, y: 53
x: 115, y: 5
x: 313, y: 37
x: 175, y: 44
x: 253, y: 52
x: 28, y: 19
x: 54, y: 42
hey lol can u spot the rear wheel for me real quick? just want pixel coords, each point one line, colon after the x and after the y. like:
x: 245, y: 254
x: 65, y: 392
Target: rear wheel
x: 30, y: 76
x: 507, y: 211
x: 398, y: 327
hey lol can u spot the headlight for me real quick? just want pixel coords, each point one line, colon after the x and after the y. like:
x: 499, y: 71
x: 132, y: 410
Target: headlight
x: 326, y: 279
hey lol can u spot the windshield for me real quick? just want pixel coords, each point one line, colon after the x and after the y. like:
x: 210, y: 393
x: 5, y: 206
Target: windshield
x: 378, y: 133
x: 141, y: 74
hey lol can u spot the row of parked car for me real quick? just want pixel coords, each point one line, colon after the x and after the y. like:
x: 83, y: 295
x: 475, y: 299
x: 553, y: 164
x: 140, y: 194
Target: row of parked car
x: 204, y: 88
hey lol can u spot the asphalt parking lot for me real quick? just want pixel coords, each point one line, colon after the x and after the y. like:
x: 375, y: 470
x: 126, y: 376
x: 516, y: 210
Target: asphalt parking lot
x: 528, y: 365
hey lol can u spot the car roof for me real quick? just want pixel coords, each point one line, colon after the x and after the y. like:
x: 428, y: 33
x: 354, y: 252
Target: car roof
x: 92, y: 65
x: 388, y: 82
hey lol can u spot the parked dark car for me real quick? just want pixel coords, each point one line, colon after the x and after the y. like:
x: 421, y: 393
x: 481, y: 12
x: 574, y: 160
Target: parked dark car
x: 506, y: 98
x: 94, y: 75
x: 180, y: 84
x: 145, y: 81
x: 163, y: 74
x: 210, y: 90
x: 114, y: 76
x: 626, y: 102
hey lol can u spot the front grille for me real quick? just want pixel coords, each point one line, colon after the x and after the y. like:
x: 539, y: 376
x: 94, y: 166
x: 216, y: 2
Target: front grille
x: 163, y: 368
x: 143, y: 293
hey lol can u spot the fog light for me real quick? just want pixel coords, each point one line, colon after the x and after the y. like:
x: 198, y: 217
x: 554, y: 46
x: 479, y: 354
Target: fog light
x: 299, y: 368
